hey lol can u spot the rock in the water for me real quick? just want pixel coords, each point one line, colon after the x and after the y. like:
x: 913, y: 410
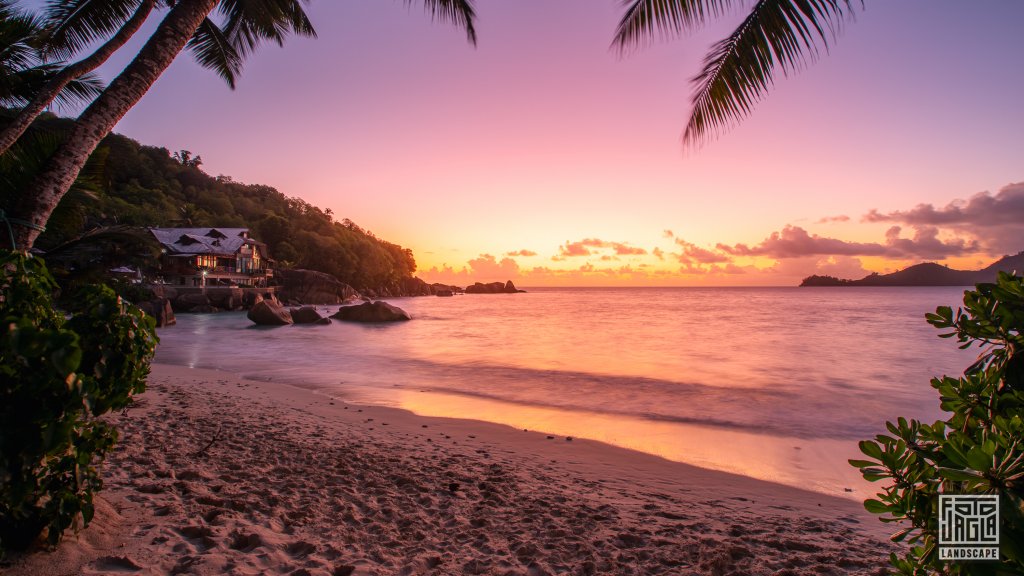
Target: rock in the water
x: 444, y: 289
x: 413, y: 287
x: 160, y: 309
x: 492, y: 288
x: 225, y: 298
x: 186, y: 302
x: 269, y: 313
x: 307, y: 315
x: 371, y: 312
x: 479, y: 288
x: 311, y: 287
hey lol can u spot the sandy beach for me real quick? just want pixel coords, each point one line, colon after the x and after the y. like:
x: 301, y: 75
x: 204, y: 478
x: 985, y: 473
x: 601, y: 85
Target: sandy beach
x: 219, y: 475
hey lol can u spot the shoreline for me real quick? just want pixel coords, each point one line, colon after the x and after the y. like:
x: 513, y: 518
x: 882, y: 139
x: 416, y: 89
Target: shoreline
x: 217, y: 473
x: 804, y: 463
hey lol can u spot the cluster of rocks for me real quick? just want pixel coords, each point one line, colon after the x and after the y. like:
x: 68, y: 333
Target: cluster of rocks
x: 160, y: 309
x: 312, y: 287
x: 272, y: 313
x: 493, y: 288
x: 298, y: 289
x: 162, y: 302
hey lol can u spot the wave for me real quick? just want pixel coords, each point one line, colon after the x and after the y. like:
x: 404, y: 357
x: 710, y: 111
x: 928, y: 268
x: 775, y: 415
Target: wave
x: 775, y: 410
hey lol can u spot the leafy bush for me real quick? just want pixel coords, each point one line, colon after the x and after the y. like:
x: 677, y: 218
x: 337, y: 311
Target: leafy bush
x: 979, y: 449
x: 57, y: 377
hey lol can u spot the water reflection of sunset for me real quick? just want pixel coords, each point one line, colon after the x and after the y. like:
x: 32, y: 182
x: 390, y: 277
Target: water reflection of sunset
x: 781, y: 459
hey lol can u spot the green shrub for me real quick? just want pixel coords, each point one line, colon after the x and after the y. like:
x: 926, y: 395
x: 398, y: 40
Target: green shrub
x: 57, y: 377
x: 979, y: 449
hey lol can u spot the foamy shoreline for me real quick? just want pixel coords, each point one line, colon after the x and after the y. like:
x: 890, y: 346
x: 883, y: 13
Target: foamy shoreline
x: 216, y: 474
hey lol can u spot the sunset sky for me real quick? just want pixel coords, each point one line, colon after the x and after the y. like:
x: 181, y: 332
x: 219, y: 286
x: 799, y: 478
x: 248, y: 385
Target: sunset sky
x: 544, y: 157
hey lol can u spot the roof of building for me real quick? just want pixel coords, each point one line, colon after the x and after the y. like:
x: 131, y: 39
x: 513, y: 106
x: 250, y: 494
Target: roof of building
x: 218, y: 241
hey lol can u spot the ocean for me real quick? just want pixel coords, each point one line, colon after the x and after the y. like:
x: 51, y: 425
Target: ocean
x: 774, y: 383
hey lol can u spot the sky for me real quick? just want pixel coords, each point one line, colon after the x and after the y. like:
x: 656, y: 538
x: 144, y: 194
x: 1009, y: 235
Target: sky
x: 545, y: 157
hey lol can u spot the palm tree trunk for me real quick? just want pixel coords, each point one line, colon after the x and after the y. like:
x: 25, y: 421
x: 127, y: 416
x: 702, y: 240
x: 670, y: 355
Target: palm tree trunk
x: 33, y: 109
x: 37, y: 202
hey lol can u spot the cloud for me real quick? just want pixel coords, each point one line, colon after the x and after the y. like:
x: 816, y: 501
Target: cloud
x: 693, y: 253
x: 830, y: 219
x: 836, y: 266
x: 668, y: 234
x: 523, y: 253
x: 573, y: 249
x: 488, y: 266
x: 587, y: 246
x: 982, y: 209
x: 795, y: 242
x: 994, y: 220
x: 483, y: 268
x: 658, y: 253
x: 624, y: 250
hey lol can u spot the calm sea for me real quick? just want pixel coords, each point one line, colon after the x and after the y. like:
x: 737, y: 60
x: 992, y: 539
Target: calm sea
x: 774, y: 383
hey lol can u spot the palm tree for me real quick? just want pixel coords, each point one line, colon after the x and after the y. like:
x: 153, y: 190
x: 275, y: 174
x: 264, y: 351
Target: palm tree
x: 248, y: 23
x: 739, y: 69
x: 72, y: 25
x: 55, y: 40
x: 22, y: 70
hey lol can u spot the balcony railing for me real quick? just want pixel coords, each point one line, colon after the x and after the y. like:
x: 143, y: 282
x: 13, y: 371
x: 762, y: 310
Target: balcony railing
x: 234, y: 270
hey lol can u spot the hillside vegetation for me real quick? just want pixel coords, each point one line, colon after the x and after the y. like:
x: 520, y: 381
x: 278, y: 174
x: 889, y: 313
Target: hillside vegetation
x: 928, y: 274
x: 128, y: 183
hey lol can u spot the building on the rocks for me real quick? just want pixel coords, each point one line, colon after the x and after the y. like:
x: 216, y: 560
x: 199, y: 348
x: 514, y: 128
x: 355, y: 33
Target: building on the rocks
x: 212, y: 257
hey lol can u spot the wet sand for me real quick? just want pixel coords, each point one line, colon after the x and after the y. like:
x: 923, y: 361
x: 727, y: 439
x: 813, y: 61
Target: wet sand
x: 216, y: 474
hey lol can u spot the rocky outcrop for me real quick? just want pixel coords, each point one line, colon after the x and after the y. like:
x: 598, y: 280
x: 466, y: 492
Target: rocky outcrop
x: 161, y: 311
x: 308, y: 315
x: 189, y: 301
x: 371, y: 312
x: 444, y: 289
x: 413, y: 287
x: 493, y: 288
x: 311, y: 287
x: 226, y: 298
x: 269, y: 313
x: 250, y: 298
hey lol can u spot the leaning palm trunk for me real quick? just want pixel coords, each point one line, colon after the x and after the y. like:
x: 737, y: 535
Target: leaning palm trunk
x: 34, y: 108
x: 40, y: 198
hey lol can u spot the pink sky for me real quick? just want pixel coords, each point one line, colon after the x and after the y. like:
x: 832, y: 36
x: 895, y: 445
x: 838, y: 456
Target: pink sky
x: 544, y: 157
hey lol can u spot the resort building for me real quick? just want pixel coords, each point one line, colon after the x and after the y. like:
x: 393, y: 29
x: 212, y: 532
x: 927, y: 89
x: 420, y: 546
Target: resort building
x: 212, y: 257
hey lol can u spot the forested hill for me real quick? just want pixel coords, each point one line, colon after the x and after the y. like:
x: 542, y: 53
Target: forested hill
x: 928, y: 274
x: 131, y: 184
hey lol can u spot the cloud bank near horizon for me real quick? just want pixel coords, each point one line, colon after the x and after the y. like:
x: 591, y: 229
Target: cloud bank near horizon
x: 984, y: 225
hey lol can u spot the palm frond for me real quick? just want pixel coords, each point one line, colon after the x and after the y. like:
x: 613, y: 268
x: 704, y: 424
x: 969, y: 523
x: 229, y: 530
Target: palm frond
x: 213, y: 50
x: 19, y: 39
x: 644, y: 19
x: 23, y: 85
x: 72, y: 25
x: 83, y: 89
x: 250, y: 23
x: 458, y: 12
x: 738, y: 71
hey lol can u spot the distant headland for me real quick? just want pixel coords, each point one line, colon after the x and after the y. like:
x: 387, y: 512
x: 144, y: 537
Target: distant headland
x: 927, y: 274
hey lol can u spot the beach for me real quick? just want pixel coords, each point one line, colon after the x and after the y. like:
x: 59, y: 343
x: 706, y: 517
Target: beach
x: 217, y: 474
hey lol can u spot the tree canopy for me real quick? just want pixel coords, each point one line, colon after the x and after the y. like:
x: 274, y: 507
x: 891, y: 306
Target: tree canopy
x: 139, y: 185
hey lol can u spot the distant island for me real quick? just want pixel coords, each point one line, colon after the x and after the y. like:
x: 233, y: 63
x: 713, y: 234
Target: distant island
x: 927, y: 274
